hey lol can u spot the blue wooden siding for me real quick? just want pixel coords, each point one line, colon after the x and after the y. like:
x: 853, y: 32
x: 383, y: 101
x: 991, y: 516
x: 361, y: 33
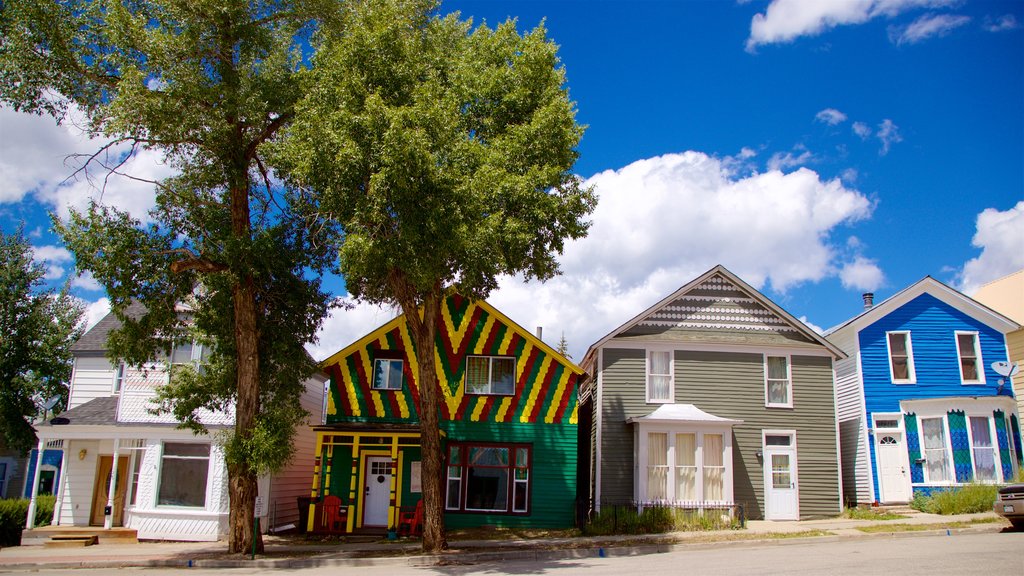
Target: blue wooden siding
x: 932, y: 325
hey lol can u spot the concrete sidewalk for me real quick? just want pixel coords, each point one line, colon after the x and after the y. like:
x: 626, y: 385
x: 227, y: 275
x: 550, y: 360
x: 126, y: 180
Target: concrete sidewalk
x: 294, y: 552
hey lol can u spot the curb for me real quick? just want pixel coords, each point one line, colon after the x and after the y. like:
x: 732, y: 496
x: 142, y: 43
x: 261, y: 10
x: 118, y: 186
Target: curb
x: 471, y: 558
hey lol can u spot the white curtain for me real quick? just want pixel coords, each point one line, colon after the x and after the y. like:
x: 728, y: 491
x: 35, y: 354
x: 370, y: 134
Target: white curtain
x: 657, y: 466
x: 686, y: 466
x: 714, y: 467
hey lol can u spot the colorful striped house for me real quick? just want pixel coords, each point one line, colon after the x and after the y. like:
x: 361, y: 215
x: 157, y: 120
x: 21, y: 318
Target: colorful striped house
x: 508, y: 422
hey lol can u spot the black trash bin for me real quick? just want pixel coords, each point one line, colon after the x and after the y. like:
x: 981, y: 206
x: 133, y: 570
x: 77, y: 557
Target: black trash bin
x: 304, y: 502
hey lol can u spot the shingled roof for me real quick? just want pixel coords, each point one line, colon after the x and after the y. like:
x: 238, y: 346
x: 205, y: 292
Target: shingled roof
x: 95, y: 340
x: 98, y: 411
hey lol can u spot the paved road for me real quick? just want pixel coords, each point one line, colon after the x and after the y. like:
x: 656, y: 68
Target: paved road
x: 986, y: 554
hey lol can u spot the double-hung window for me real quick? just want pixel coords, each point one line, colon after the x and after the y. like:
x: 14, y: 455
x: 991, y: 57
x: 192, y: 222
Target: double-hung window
x: 684, y: 466
x: 936, y: 457
x: 983, y: 450
x: 387, y: 374
x: 491, y: 375
x: 967, y: 349
x: 183, y: 471
x: 657, y: 466
x: 901, y: 358
x: 659, y: 376
x: 119, y: 377
x: 778, y: 383
x: 488, y: 478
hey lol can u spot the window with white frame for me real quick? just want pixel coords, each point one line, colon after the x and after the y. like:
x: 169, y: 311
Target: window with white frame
x: 119, y: 377
x: 183, y: 470
x: 714, y: 467
x: 659, y: 376
x: 901, y: 358
x: 494, y: 375
x: 778, y: 384
x: 387, y: 374
x: 971, y: 371
x: 657, y: 466
x: 935, y: 454
x: 684, y: 467
x: 983, y: 450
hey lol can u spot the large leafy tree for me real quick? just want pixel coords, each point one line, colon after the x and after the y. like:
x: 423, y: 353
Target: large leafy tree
x: 208, y: 83
x: 37, y: 328
x: 445, y: 154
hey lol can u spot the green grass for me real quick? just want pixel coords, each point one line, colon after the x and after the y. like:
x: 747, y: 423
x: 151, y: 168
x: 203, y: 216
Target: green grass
x: 922, y: 527
x: 657, y: 520
x: 965, y: 499
x: 866, y: 513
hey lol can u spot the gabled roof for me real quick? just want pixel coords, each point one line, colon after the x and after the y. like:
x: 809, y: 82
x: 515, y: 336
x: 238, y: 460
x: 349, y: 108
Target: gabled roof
x: 491, y: 310
x: 95, y: 339
x: 681, y: 413
x: 787, y: 318
x: 942, y: 292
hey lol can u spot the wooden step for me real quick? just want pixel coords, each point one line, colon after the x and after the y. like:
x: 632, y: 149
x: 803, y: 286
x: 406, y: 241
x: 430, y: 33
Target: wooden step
x: 72, y: 541
x: 47, y: 534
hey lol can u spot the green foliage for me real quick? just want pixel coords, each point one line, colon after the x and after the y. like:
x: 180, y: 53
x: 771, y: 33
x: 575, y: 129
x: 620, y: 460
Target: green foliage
x: 869, y: 513
x: 965, y: 499
x: 657, y: 519
x: 37, y: 328
x: 13, y: 513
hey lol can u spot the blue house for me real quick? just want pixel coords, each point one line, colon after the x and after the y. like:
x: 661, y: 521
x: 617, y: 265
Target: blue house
x: 919, y: 406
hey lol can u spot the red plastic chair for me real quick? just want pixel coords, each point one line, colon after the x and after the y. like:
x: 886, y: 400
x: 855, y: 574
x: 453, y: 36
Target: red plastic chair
x: 410, y: 520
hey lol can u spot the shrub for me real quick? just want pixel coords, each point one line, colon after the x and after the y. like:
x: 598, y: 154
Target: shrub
x: 620, y: 519
x: 13, y: 513
x: 960, y: 500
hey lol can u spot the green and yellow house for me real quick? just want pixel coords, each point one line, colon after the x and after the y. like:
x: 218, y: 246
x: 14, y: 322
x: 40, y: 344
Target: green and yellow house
x: 508, y: 424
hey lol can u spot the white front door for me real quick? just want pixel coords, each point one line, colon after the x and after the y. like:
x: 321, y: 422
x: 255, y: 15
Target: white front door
x: 893, y: 476
x: 781, y: 494
x: 377, y: 491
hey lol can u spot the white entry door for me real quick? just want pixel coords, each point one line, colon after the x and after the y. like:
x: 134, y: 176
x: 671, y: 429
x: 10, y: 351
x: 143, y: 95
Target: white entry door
x: 377, y: 491
x: 781, y: 493
x: 893, y: 476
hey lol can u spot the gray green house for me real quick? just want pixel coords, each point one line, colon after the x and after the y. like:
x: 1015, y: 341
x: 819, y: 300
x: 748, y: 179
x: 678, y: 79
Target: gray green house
x: 714, y: 397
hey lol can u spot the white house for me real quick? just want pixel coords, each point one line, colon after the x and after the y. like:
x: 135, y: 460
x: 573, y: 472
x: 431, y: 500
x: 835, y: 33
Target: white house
x: 171, y: 484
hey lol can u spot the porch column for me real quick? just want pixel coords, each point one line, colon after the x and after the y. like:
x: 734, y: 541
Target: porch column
x: 108, y: 519
x: 65, y: 446
x: 30, y: 522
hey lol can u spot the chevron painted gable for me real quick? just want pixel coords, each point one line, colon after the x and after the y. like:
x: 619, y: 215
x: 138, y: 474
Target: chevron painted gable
x: 545, y: 383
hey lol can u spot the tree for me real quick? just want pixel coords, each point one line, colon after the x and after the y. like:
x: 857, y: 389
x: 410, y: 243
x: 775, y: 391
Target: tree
x: 445, y: 155
x: 208, y: 83
x: 37, y: 328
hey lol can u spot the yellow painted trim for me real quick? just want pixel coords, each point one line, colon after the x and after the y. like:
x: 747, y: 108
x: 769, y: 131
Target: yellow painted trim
x: 364, y: 341
x: 503, y: 409
x: 488, y: 326
x: 560, y: 390
x: 361, y: 494
x: 545, y: 365
x: 529, y: 336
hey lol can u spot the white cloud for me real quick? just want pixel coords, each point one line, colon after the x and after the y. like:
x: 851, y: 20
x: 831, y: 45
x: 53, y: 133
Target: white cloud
x: 861, y: 129
x: 786, y: 20
x: 86, y: 281
x: 53, y: 258
x: 783, y: 161
x: 659, y: 223
x: 95, y: 311
x: 889, y: 134
x: 927, y: 26
x: 342, y: 327
x: 38, y: 156
x: 830, y: 116
x: 861, y: 274
x: 811, y: 325
x: 1001, y: 24
x: 1000, y: 236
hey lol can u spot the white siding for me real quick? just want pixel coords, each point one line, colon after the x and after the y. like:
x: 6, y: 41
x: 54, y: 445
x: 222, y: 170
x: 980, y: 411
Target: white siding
x: 77, y: 479
x: 852, y: 430
x: 296, y: 478
x: 91, y: 378
x: 138, y: 393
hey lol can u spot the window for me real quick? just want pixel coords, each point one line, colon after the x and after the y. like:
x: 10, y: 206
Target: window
x: 136, y: 469
x: 657, y: 466
x: 778, y: 388
x: 119, y: 378
x: 183, y: 471
x: 935, y: 455
x: 686, y: 466
x: 488, y: 478
x: 983, y: 450
x: 659, y: 376
x: 714, y: 468
x: 3, y: 479
x: 970, y: 358
x: 387, y: 374
x: 901, y: 358
x: 490, y: 375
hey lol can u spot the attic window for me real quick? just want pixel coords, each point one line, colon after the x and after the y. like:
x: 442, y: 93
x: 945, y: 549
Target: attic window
x: 490, y: 375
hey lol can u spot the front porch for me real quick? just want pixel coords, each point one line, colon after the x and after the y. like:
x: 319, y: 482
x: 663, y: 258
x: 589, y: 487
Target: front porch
x: 46, y: 534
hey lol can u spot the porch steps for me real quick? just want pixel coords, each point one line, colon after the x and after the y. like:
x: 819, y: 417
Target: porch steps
x: 60, y: 536
x: 904, y: 509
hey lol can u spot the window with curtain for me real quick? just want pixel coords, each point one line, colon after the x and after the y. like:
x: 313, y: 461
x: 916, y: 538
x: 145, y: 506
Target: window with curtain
x: 490, y: 375
x: 183, y: 471
x: 983, y: 450
x: 659, y: 376
x: 657, y: 466
x: 967, y: 348
x: 778, y: 382
x: 686, y: 466
x: 492, y: 478
x: 714, y: 467
x: 936, y: 457
x: 901, y: 362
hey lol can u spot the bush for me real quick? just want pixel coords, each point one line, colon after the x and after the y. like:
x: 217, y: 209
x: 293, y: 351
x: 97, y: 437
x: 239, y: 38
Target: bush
x: 658, y: 519
x: 960, y: 500
x: 13, y: 513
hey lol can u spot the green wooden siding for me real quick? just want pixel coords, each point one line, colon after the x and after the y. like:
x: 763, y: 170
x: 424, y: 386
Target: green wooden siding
x: 730, y: 385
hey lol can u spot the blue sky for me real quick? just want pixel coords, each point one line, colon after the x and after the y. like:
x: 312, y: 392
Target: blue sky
x: 817, y: 149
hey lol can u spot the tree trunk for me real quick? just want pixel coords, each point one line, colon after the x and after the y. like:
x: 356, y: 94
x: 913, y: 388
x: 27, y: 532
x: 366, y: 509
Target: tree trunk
x: 241, y: 480
x: 424, y: 332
